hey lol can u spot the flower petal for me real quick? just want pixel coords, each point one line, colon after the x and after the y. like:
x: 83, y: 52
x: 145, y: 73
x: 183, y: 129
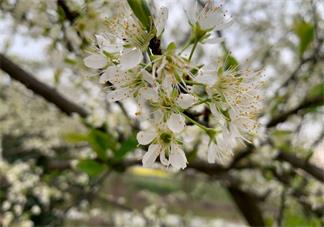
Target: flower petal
x: 151, y: 155
x: 223, y: 24
x: 145, y: 137
x: 95, y: 61
x: 186, y: 100
x: 109, y: 75
x: 163, y: 159
x: 106, y: 45
x: 220, y: 117
x: 161, y: 20
x: 191, y: 13
x: 147, y: 93
x: 206, y: 77
x: 176, y: 123
x: 177, y: 157
x: 104, y: 78
x: 167, y: 84
x: 210, y: 18
x: 119, y: 94
x: 130, y: 58
x: 211, y: 153
x: 100, y: 40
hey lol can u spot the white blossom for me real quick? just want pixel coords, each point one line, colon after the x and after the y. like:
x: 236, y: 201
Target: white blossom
x: 235, y: 99
x: 162, y: 143
x: 130, y: 83
x: 163, y: 84
x: 210, y: 17
x: 220, y: 147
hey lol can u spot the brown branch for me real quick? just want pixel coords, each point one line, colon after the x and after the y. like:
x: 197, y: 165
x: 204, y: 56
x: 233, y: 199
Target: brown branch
x: 247, y: 205
x: 209, y: 169
x: 42, y: 89
x: 294, y: 74
x: 296, y: 162
x: 115, y: 203
x: 287, y: 180
x: 241, y: 155
x: 314, y: 58
x: 307, y: 103
x: 70, y: 15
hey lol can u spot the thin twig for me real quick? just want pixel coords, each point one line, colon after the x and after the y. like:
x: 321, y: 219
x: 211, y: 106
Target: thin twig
x: 281, y: 211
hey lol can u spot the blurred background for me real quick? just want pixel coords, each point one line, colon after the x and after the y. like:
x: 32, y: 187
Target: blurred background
x: 55, y: 122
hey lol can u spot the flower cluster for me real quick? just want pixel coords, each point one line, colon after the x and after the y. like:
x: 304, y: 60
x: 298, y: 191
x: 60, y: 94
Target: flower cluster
x: 168, y: 86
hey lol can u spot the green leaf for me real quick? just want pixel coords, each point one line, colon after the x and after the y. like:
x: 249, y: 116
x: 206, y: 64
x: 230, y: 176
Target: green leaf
x: 171, y: 48
x: 75, y: 137
x: 305, y: 34
x: 100, y: 142
x: 142, y: 12
x: 316, y: 91
x: 127, y: 146
x: 91, y: 167
x: 230, y: 62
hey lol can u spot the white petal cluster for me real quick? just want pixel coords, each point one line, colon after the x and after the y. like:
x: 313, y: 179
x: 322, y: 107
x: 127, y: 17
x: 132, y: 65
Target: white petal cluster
x: 210, y: 17
x: 162, y: 142
x: 235, y: 100
x: 22, y: 181
x: 163, y: 83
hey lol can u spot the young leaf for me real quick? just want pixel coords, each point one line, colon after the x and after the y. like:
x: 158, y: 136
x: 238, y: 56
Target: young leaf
x: 171, y: 48
x: 91, y: 167
x: 100, y: 142
x: 75, y: 137
x: 142, y: 12
x: 230, y: 62
x: 305, y: 34
x: 127, y: 146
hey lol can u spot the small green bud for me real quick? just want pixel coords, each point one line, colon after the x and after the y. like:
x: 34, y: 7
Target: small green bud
x: 198, y: 34
x: 220, y: 71
x: 171, y: 48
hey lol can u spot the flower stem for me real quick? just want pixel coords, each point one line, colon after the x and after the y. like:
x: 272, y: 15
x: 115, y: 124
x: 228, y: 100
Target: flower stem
x: 201, y: 102
x: 209, y: 131
x: 185, y: 46
x: 193, y: 50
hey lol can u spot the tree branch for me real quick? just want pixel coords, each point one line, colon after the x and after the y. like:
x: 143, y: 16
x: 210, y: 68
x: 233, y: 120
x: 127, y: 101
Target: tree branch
x: 247, y: 205
x: 70, y: 15
x: 42, y: 89
x: 307, y: 103
x: 209, y: 169
x: 296, y: 162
